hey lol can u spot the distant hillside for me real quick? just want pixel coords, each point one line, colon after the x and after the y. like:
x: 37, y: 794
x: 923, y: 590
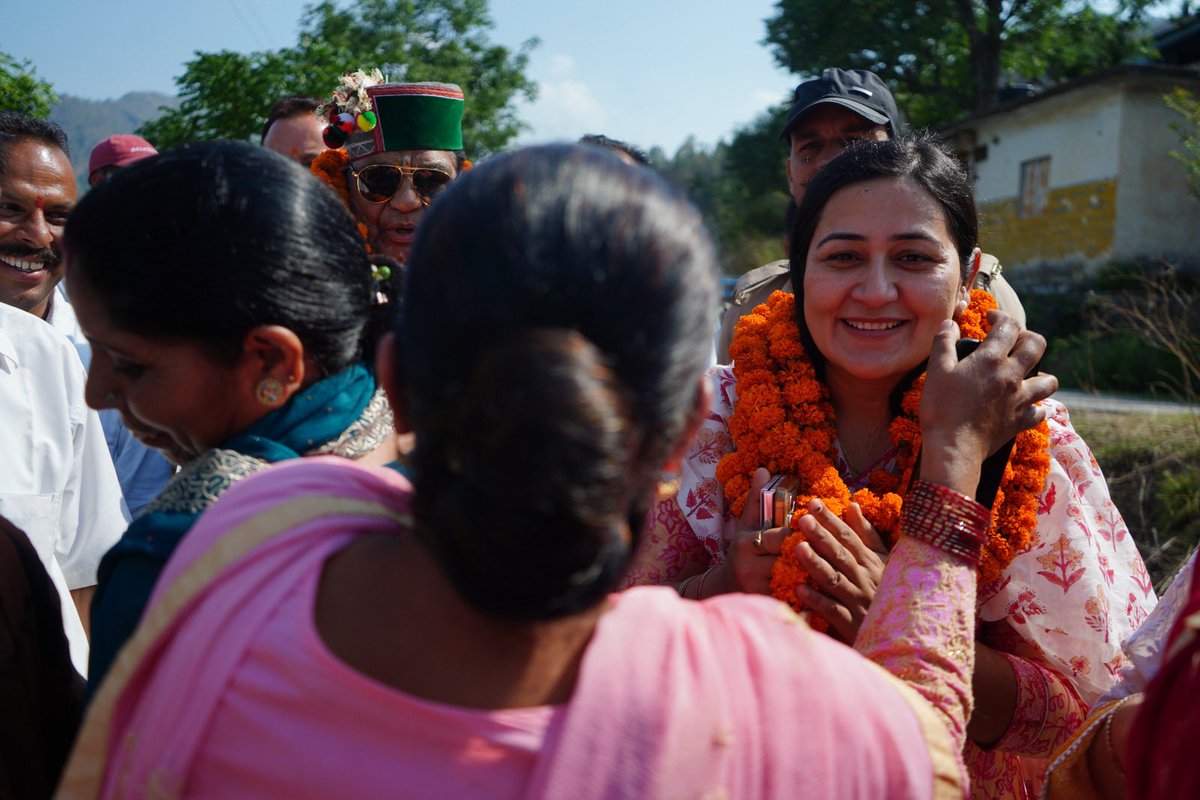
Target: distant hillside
x: 88, y: 121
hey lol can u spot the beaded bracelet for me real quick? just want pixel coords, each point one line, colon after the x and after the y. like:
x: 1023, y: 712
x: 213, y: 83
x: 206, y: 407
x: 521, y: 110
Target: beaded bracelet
x: 949, y: 521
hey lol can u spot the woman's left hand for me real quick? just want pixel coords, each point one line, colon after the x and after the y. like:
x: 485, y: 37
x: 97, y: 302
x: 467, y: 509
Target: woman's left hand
x: 845, y: 560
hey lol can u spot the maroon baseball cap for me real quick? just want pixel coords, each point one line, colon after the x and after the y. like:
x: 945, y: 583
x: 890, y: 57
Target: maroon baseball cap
x: 119, y: 150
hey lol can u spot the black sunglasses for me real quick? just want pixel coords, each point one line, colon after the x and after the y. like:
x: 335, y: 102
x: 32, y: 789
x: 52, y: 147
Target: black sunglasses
x: 378, y: 183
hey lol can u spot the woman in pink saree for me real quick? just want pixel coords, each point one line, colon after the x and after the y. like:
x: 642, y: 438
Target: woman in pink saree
x: 329, y: 629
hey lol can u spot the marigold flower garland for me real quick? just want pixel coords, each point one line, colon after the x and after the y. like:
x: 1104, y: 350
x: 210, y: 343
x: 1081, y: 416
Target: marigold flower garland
x: 783, y: 421
x: 330, y: 168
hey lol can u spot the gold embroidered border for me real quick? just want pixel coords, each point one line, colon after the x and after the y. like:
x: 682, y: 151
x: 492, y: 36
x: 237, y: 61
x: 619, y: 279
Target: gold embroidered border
x: 84, y: 775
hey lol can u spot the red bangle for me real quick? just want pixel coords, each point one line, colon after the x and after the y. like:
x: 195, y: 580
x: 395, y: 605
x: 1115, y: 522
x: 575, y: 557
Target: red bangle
x: 946, y: 519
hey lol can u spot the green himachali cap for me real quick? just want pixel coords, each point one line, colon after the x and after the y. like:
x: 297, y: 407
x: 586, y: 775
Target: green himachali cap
x: 417, y: 116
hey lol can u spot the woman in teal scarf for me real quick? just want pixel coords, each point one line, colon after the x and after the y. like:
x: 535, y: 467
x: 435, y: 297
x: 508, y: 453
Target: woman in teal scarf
x: 232, y: 312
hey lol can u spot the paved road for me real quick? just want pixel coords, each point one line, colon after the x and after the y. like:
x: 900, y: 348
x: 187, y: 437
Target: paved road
x: 1088, y: 401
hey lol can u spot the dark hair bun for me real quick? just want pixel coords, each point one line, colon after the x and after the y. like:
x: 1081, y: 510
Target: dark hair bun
x: 542, y: 447
x: 558, y: 308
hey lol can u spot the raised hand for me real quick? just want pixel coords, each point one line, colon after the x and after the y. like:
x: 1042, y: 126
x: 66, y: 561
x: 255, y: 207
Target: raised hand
x: 970, y: 408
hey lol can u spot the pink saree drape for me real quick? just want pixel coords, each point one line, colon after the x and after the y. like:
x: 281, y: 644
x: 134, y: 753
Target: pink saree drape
x: 733, y: 697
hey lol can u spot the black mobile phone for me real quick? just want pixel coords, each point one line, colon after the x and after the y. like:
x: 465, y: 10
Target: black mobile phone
x: 965, y: 346
x: 991, y: 472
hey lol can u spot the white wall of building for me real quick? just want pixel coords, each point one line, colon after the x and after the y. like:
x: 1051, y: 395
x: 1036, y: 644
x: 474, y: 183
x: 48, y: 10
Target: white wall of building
x: 1080, y: 131
x: 1156, y: 216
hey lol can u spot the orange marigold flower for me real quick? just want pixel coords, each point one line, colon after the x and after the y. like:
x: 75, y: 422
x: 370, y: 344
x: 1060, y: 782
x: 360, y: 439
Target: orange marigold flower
x: 786, y: 350
x: 330, y: 167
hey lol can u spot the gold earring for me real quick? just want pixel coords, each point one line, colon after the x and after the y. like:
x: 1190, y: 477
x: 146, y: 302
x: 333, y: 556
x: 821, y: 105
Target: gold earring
x: 269, y: 391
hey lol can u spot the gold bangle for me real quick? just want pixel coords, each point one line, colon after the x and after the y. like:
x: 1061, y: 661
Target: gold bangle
x: 684, y: 584
x: 700, y: 586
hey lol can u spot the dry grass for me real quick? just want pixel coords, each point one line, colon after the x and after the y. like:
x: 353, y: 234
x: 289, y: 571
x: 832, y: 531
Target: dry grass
x: 1152, y: 465
x: 1161, y: 431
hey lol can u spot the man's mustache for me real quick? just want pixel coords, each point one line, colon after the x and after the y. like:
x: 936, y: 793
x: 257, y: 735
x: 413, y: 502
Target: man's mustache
x: 50, y: 256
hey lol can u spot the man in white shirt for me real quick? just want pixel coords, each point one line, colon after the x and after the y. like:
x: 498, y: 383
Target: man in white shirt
x: 58, y: 484
x: 37, y: 192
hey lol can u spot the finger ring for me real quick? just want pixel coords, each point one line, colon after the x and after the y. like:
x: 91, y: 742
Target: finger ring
x: 837, y: 578
x: 758, y: 545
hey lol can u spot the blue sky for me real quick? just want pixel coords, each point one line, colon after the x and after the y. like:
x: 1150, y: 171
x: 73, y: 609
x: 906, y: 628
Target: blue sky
x: 650, y: 71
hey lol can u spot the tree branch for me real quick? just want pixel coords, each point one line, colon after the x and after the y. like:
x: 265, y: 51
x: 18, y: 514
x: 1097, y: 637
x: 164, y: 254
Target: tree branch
x: 1012, y: 12
x: 966, y: 16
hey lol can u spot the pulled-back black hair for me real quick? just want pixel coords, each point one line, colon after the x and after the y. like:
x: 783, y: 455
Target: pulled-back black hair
x: 209, y: 241
x: 557, y: 313
x: 294, y: 105
x: 617, y: 146
x: 17, y: 126
x: 916, y: 156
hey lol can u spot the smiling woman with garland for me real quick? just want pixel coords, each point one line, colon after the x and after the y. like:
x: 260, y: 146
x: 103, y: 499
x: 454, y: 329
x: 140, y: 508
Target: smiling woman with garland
x: 824, y: 389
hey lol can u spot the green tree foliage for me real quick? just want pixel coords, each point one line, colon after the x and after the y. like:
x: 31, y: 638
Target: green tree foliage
x: 944, y: 58
x: 1188, y: 128
x: 740, y: 187
x: 226, y: 95
x: 22, y: 90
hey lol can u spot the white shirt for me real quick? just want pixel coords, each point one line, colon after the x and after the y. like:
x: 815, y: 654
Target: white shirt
x: 57, y: 482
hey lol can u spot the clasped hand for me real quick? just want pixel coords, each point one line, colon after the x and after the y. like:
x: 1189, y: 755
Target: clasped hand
x: 845, y: 559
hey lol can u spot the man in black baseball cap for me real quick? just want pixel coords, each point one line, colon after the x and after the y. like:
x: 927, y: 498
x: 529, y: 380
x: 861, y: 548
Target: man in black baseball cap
x: 858, y: 90
x: 828, y: 114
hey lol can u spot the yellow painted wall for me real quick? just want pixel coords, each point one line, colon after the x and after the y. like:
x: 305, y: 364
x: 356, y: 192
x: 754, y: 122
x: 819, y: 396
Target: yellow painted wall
x: 1078, y: 221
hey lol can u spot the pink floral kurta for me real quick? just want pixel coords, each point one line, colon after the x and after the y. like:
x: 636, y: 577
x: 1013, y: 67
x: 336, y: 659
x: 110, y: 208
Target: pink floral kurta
x: 1060, y: 611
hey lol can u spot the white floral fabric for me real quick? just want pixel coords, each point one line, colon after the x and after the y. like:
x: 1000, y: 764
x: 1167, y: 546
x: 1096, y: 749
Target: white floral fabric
x: 1061, y: 610
x: 1144, y: 649
x: 1072, y: 598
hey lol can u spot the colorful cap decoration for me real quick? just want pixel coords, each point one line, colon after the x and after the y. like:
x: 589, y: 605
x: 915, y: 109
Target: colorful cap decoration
x: 367, y: 116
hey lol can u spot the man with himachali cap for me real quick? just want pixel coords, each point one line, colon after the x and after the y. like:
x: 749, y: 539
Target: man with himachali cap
x: 393, y: 148
x: 828, y: 114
